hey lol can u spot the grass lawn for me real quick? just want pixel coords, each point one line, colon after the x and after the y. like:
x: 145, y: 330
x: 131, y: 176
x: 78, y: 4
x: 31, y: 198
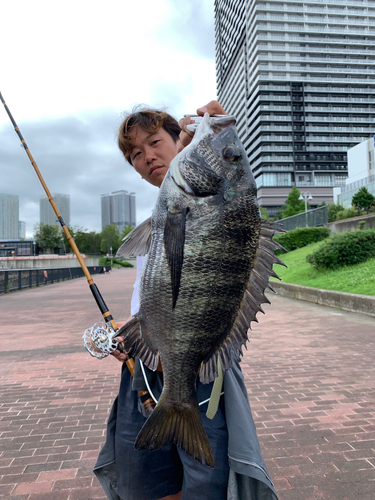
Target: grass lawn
x: 359, y: 278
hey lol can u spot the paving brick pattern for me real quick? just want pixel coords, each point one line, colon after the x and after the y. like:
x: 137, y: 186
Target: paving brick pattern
x: 309, y: 370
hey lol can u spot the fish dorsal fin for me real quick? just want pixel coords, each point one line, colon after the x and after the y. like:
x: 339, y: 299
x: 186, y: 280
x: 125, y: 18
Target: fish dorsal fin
x: 250, y: 305
x: 174, y: 241
x: 137, y: 242
x: 134, y: 341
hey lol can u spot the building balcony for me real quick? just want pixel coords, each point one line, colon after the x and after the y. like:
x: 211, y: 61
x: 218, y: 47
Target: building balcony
x: 319, y: 10
x: 352, y: 130
x: 335, y: 109
x: 340, y: 119
x: 355, y: 90
x: 332, y: 50
x: 346, y: 100
x: 322, y: 69
x: 323, y: 79
x: 321, y: 60
x: 303, y: 28
x: 282, y: 36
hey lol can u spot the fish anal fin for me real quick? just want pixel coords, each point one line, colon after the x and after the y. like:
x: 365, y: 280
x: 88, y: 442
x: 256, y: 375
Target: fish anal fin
x: 174, y: 240
x: 183, y: 426
x: 137, y: 242
x: 134, y: 341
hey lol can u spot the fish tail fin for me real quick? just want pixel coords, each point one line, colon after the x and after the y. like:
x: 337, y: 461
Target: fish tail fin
x: 169, y: 424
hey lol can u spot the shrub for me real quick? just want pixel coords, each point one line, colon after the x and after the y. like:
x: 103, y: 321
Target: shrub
x: 106, y: 261
x: 301, y: 237
x: 333, y: 208
x: 344, y: 249
x: 347, y: 213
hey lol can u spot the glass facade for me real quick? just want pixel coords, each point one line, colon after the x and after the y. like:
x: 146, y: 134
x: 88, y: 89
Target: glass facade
x: 46, y: 212
x: 300, y: 78
x: 118, y: 208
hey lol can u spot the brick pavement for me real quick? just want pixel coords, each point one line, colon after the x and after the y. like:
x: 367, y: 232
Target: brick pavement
x: 309, y: 370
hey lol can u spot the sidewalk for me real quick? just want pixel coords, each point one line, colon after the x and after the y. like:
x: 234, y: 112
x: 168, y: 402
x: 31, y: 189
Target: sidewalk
x: 309, y: 369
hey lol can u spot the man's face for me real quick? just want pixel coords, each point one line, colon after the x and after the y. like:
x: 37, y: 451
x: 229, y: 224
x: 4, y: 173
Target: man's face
x: 152, y: 154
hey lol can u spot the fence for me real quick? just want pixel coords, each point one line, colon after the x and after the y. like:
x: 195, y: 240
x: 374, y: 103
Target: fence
x: 311, y: 218
x: 27, y: 278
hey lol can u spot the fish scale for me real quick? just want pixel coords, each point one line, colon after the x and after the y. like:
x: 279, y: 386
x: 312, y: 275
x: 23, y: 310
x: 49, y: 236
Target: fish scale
x: 209, y: 260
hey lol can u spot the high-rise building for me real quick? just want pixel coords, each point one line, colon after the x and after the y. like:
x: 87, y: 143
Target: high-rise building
x: 300, y: 77
x: 9, y: 215
x: 118, y: 208
x: 21, y: 229
x: 46, y: 212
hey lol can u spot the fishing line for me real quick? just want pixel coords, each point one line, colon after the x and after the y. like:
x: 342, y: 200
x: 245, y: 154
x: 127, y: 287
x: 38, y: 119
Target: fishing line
x: 152, y: 395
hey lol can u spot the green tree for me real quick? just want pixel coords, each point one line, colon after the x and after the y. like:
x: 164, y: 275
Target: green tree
x: 47, y: 236
x: 333, y: 209
x: 263, y: 212
x: 127, y: 229
x: 92, y: 242
x: 363, y: 199
x: 293, y: 205
x: 110, y: 237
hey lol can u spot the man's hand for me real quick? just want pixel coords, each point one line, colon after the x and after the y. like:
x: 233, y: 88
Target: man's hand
x: 117, y: 354
x: 212, y: 108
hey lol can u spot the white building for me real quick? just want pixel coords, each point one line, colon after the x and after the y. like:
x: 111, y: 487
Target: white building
x: 300, y: 77
x: 118, y: 208
x: 9, y: 215
x: 46, y: 212
x: 21, y: 229
x: 361, y: 167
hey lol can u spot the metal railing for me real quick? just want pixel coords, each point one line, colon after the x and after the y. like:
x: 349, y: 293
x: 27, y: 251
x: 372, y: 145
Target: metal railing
x: 311, y: 218
x: 16, y: 279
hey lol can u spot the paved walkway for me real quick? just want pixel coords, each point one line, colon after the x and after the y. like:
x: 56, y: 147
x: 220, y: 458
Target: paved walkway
x: 309, y: 369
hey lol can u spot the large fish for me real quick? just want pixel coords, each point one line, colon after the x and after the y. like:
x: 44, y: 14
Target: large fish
x: 209, y: 260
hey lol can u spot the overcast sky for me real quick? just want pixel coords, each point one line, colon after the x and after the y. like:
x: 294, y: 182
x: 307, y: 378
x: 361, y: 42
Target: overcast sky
x: 70, y: 69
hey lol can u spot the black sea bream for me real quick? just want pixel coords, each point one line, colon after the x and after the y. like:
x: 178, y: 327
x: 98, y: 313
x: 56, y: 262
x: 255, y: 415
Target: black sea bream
x: 209, y: 260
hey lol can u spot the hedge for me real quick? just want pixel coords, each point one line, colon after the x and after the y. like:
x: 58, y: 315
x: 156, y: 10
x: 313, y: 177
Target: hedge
x: 300, y: 237
x: 106, y: 261
x: 344, y: 249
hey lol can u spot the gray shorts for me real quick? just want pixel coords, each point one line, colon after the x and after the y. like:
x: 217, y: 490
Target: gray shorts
x: 150, y: 475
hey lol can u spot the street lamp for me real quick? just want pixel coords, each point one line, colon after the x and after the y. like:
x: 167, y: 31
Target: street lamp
x: 306, y: 196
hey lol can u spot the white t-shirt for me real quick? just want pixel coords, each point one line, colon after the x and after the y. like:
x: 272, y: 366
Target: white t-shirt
x: 134, y: 308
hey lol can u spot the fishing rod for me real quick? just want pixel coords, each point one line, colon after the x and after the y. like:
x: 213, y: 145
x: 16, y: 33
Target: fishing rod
x: 99, y: 340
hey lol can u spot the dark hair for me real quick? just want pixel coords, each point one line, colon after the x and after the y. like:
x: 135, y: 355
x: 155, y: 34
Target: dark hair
x: 150, y: 120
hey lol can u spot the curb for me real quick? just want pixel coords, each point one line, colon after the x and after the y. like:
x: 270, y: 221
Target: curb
x: 362, y: 304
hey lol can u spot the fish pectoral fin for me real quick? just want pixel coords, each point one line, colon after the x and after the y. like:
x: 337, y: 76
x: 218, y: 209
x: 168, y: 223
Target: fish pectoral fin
x: 134, y: 341
x: 137, y: 242
x: 170, y: 424
x: 174, y: 241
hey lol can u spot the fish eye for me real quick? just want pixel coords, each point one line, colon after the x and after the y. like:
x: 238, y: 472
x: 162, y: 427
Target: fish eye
x: 231, y: 153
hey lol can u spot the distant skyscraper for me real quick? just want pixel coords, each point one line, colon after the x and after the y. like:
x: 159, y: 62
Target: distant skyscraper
x: 9, y: 215
x: 21, y: 229
x: 46, y: 213
x: 118, y: 208
x: 300, y: 77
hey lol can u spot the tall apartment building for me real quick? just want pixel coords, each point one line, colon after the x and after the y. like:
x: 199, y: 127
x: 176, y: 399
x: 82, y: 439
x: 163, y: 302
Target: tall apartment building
x: 118, y: 208
x: 46, y: 213
x: 300, y: 77
x: 9, y: 215
x: 21, y: 229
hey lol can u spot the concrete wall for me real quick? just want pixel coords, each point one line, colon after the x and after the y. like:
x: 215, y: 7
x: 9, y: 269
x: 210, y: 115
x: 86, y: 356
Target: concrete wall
x: 352, y: 224
x: 362, y: 304
x: 45, y: 262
